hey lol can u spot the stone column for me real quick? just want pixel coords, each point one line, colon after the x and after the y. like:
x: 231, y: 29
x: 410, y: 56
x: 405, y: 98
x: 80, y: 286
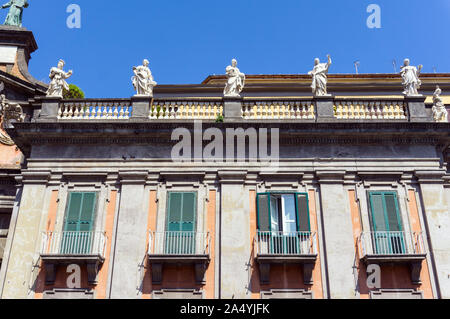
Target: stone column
x: 131, y: 236
x: 25, y: 236
x: 232, y: 109
x: 324, y: 108
x: 141, y: 107
x: 437, y: 216
x: 235, y: 247
x: 338, y: 234
x: 416, y: 109
x: 49, y: 108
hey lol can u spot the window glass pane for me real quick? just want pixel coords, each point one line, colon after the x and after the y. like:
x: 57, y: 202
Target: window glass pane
x: 289, y: 218
x: 378, y: 219
x: 391, y: 207
x: 274, y: 213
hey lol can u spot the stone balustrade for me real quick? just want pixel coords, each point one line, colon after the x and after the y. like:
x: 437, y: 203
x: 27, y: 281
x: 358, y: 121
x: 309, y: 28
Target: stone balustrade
x: 353, y: 109
x: 186, y: 109
x: 278, y: 109
x: 95, y: 109
x: 320, y: 109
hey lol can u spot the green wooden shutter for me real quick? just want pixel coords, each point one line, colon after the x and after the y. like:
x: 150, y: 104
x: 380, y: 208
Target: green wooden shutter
x: 303, y: 222
x: 79, y: 222
x: 264, y: 221
x: 80, y: 212
x: 181, y: 217
x: 386, y: 223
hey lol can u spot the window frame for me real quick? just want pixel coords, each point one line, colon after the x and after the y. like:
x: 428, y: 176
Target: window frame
x: 167, y: 221
x: 296, y: 194
x: 385, y: 212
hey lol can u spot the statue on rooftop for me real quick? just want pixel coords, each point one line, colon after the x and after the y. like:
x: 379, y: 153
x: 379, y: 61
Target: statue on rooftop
x: 14, y: 17
x: 440, y: 113
x: 58, y: 80
x: 319, y: 75
x: 411, y: 81
x: 143, y: 81
x: 235, y: 82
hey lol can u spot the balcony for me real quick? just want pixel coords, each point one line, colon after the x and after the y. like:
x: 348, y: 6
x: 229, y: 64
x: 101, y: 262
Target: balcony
x: 394, y: 248
x: 64, y: 248
x: 179, y: 248
x: 285, y: 248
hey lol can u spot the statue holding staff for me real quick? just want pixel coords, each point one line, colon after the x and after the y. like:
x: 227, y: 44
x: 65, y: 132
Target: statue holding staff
x: 319, y: 75
x: 14, y: 17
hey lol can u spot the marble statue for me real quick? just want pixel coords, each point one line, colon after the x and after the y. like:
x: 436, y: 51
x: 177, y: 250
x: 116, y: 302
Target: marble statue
x: 235, y: 80
x: 411, y: 81
x: 440, y: 113
x: 14, y: 17
x: 319, y: 75
x: 8, y: 112
x: 58, y: 80
x: 143, y: 81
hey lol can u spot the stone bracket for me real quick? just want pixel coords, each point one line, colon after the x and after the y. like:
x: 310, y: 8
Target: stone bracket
x: 52, y: 262
x: 308, y: 263
x: 414, y: 262
x: 158, y: 262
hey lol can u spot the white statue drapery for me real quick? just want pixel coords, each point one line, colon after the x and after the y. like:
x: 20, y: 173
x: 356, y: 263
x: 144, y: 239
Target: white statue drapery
x: 235, y: 80
x: 58, y: 80
x: 143, y: 81
x: 319, y: 75
x: 411, y: 81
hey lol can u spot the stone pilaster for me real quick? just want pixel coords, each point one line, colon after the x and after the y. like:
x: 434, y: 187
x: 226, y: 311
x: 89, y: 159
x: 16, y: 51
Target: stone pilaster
x: 437, y: 217
x: 131, y: 234
x: 23, y: 254
x: 338, y: 234
x: 235, y: 248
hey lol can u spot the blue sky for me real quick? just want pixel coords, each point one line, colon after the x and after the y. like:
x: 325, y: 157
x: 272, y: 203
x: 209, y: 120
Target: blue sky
x: 187, y: 40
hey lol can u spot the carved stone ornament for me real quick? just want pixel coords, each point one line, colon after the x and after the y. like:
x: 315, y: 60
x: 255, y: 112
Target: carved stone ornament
x: 440, y: 113
x: 8, y: 112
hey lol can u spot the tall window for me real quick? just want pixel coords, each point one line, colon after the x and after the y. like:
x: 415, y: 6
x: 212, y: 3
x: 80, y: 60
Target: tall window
x: 181, y: 222
x: 79, y: 223
x: 387, y: 229
x: 283, y: 222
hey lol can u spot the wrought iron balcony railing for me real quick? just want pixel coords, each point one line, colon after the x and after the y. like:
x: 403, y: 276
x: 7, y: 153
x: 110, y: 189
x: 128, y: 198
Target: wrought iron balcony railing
x: 285, y: 243
x: 176, y: 243
x: 74, y: 244
x: 384, y: 243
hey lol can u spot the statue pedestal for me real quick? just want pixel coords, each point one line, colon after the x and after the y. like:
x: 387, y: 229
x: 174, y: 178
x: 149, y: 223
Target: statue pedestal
x: 232, y: 109
x: 141, y: 107
x: 416, y: 109
x: 49, y: 108
x: 324, y: 108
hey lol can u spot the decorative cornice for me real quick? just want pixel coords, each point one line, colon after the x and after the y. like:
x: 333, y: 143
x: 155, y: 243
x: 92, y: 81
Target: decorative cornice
x: 434, y: 177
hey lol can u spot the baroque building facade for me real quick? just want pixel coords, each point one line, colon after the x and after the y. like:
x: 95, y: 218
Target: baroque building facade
x: 355, y: 205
